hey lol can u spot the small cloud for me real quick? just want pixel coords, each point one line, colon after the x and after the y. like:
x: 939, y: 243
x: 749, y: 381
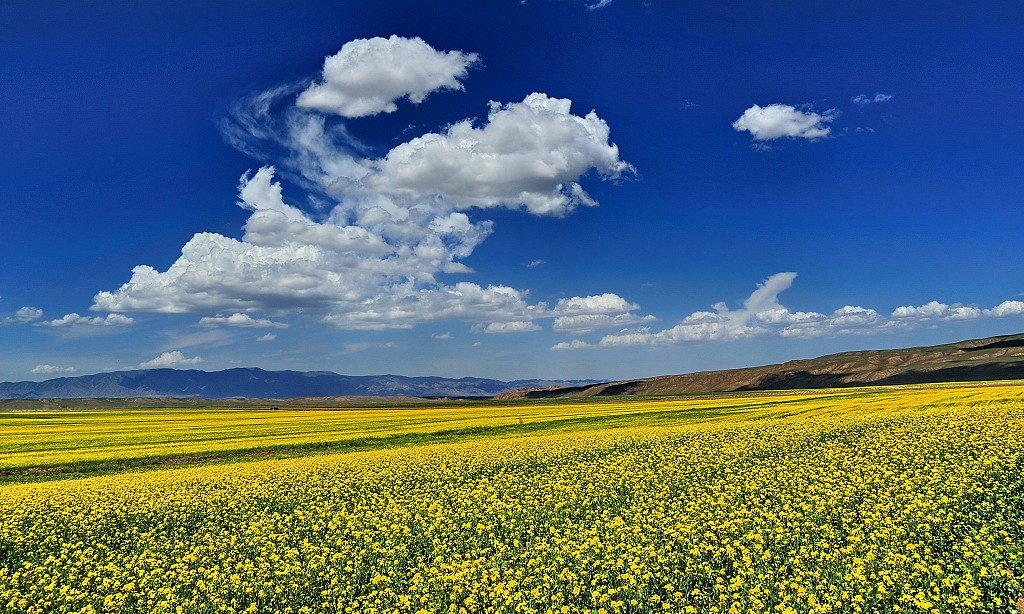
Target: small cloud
x: 22, y: 316
x: 600, y: 4
x: 267, y: 337
x: 442, y: 336
x: 864, y: 99
x: 777, y: 121
x: 689, y: 104
x: 511, y: 327
x: 356, y: 84
x: 52, y: 369
x: 170, y: 359
x: 575, y: 344
x: 241, y: 320
x: 75, y: 320
x: 534, y: 263
x: 476, y: 344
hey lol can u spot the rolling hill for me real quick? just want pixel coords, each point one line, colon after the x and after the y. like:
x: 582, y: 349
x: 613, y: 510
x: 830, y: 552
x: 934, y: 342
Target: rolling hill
x: 994, y: 358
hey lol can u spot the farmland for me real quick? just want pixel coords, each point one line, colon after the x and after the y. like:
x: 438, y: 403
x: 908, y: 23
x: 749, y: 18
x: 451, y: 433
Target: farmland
x: 853, y: 501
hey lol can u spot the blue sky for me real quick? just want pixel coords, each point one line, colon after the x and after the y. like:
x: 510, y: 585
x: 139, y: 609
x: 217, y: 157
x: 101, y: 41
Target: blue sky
x: 562, y: 189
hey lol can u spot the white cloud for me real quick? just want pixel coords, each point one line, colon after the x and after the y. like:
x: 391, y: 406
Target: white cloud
x: 241, y: 320
x: 170, y: 359
x: 584, y: 314
x: 935, y: 310
x: 442, y: 336
x: 575, y: 344
x: 602, y: 303
x: 590, y: 322
x: 368, y: 75
x: 373, y: 257
x: 75, y: 320
x: 511, y: 327
x: 763, y: 315
x: 777, y: 121
x: 529, y: 154
x: 534, y: 263
x: 52, y: 369
x: 23, y: 315
x: 865, y: 99
x: 1008, y: 308
x: 267, y: 337
x: 599, y: 4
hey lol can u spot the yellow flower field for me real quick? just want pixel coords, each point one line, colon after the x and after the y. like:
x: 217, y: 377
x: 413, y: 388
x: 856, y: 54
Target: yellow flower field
x: 873, y: 501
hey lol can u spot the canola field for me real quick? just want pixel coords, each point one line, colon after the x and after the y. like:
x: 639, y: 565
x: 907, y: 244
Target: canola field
x: 855, y: 501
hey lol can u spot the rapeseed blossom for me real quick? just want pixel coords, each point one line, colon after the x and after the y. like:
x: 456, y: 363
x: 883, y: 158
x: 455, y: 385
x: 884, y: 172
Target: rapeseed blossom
x: 903, y: 501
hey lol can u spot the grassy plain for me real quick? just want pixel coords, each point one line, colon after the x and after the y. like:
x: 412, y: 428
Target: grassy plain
x: 850, y: 501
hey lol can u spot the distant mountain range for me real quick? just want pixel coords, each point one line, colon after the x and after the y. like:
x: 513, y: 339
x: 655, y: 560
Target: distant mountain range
x: 258, y: 383
x: 994, y: 358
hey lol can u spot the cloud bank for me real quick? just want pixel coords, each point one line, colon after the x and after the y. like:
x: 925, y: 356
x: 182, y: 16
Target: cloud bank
x: 378, y: 253
x: 763, y: 315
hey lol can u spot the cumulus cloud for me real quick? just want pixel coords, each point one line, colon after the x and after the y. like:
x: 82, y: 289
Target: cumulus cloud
x: 777, y: 121
x: 529, y: 154
x: 267, y: 337
x: 584, y: 314
x: 241, y: 320
x: 51, y: 369
x: 1008, y: 308
x: 935, y: 310
x: 74, y: 320
x: 511, y: 327
x: 170, y: 359
x: 761, y: 314
x: 865, y: 99
x: 374, y: 252
x: 575, y: 344
x: 23, y: 315
x: 368, y: 75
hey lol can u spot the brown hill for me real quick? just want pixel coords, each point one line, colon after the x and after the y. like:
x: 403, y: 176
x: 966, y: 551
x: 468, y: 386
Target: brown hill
x: 994, y: 358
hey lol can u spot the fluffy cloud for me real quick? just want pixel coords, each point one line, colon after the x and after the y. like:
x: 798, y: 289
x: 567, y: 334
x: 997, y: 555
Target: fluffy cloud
x: 74, y: 320
x: 575, y: 344
x: 529, y: 154
x: 23, y: 315
x: 584, y: 314
x: 865, y: 99
x: 241, y: 320
x: 777, y: 121
x: 763, y: 315
x: 52, y: 369
x: 368, y: 75
x: 935, y: 310
x: 511, y: 327
x: 372, y: 255
x: 760, y: 315
x: 170, y: 359
x: 1008, y: 308
x: 267, y: 337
